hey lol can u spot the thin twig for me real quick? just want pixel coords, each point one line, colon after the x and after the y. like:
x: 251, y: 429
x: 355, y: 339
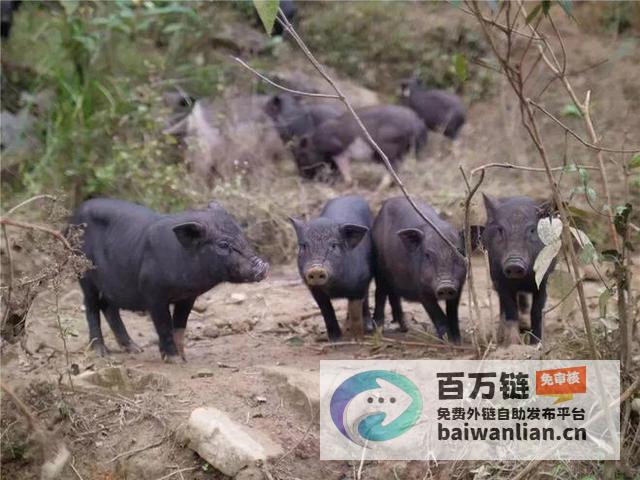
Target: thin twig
x: 176, y: 472
x: 128, y: 453
x: 29, y: 200
x: 281, y: 87
x: 40, y: 228
x: 526, y: 169
x: 578, y: 137
x: 473, y: 297
x: 282, y: 19
x: 7, y: 301
x: 533, y: 466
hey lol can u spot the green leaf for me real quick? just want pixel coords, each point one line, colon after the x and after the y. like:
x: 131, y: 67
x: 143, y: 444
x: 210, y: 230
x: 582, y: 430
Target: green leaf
x: 584, y: 175
x: 267, y: 11
x: 570, y: 110
x: 588, y: 255
x: 567, y: 6
x: 544, y: 260
x: 621, y: 220
x: 534, y: 13
x: 549, y: 230
x: 70, y: 6
x: 295, y: 341
x: 460, y: 63
x: 635, y: 161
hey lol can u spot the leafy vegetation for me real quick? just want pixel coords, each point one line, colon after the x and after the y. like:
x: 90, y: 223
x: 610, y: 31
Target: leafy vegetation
x: 434, y: 53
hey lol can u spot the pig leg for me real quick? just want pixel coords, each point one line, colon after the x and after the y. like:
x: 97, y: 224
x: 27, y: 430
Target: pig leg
x: 92, y: 310
x: 537, y: 305
x: 381, y: 299
x: 437, y: 316
x: 161, y: 317
x: 356, y: 323
x: 396, y: 311
x: 509, y: 314
x: 329, y: 315
x: 453, y: 321
x: 181, y: 313
x: 366, y: 314
x: 112, y: 314
x: 523, y: 309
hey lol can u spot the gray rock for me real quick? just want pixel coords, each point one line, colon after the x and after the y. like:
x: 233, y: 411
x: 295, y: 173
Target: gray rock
x: 225, y: 444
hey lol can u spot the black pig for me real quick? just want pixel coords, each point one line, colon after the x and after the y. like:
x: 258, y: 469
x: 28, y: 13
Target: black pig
x: 294, y: 119
x: 335, y: 260
x: 414, y: 263
x: 441, y: 111
x: 147, y: 261
x: 511, y: 239
x: 394, y: 128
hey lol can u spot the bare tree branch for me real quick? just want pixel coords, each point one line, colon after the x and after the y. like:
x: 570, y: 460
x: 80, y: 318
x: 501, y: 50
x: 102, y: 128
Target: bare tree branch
x: 577, y: 137
x: 282, y: 19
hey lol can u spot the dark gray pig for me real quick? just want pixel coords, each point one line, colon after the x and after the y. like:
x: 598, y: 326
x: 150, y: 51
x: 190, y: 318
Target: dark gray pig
x: 511, y: 239
x: 147, y: 261
x: 394, y: 128
x: 335, y: 260
x: 294, y: 119
x: 414, y: 263
x: 440, y: 110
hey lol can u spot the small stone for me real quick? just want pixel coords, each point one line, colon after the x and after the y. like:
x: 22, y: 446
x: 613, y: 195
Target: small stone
x: 211, y: 331
x: 203, y: 373
x: 227, y: 445
x: 237, y: 297
x: 261, y: 399
x: 200, y: 306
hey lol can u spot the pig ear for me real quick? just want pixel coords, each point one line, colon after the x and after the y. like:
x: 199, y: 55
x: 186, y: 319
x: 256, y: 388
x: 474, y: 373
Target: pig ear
x: 490, y: 205
x: 411, y: 237
x: 190, y: 234
x: 476, y: 237
x: 298, y: 226
x: 545, y: 209
x: 352, y: 234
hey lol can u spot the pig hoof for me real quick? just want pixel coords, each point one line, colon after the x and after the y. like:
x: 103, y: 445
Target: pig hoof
x: 100, y: 349
x: 170, y: 358
x: 132, y: 347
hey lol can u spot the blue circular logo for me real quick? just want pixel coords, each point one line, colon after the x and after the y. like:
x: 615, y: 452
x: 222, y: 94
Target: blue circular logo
x: 376, y: 405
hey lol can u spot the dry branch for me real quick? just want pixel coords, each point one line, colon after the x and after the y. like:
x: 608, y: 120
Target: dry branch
x: 281, y: 18
x: 56, y: 454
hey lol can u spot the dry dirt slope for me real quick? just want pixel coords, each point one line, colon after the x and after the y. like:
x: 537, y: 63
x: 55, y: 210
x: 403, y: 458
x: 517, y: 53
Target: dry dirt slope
x: 235, y: 332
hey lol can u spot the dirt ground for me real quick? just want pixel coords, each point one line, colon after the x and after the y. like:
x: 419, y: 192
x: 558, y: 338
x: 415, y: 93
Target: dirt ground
x: 234, y: 331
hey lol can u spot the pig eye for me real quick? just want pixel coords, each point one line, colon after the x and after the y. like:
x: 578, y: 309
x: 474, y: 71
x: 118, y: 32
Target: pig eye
x: 500, y: 232
x: 427, y: 255
x: 335, y: 247
x: 302, y: 247
x: 224, y: 245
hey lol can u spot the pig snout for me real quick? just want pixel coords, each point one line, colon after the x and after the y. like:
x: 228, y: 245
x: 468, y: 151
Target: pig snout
x: 259, y: 269
x: 446, y: 290
x: 316, y: 275
x: 514, y: 267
